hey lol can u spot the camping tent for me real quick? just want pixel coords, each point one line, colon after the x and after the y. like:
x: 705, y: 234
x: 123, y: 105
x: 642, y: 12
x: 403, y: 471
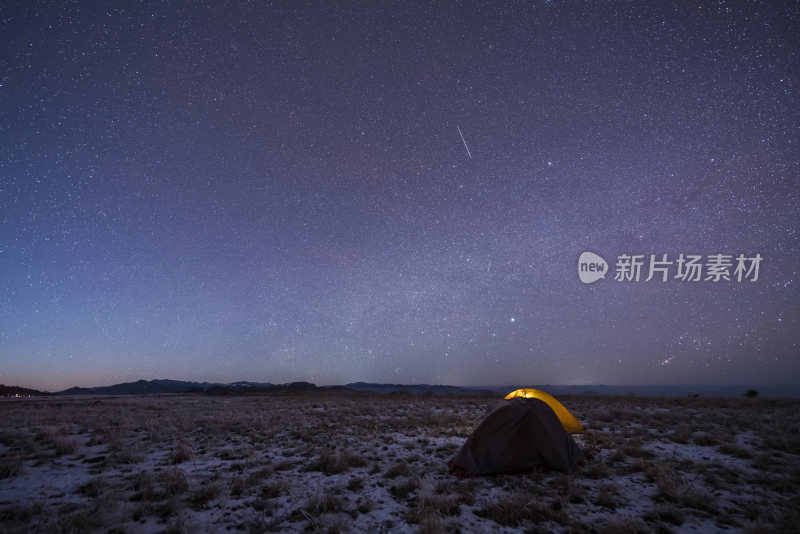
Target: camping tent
x: 517, y: 435
x: 570, y: 422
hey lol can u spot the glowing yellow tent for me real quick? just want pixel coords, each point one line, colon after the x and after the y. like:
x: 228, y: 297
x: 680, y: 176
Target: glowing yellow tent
x: 570, y: 423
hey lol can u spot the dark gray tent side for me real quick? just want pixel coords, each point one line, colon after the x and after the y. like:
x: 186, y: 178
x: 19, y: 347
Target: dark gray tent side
x: 517, y: 435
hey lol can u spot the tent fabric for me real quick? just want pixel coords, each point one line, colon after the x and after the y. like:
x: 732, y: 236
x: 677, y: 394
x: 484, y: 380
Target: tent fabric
x: 570, y: 422
x: 517, y: 435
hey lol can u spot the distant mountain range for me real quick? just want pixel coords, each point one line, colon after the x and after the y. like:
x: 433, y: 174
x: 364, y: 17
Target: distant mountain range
x: 144, y: 387
x: 140, y: 387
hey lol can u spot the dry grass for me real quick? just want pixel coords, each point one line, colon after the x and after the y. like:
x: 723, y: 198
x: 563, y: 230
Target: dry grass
x: 10, y: 465
x: 182, y: 452
x: 372, y: 463
x: 517, y: 508
x: 333, y: 462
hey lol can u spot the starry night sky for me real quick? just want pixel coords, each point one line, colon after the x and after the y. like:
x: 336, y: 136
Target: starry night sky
x: 279, y: 191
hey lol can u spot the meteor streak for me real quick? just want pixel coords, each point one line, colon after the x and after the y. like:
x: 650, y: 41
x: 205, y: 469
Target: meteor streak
x: 463, y: 141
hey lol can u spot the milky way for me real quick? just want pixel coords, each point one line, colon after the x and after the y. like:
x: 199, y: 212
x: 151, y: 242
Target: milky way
x: 280, y: 191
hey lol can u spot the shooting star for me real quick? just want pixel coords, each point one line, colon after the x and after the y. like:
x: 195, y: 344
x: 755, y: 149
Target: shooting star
x: 463, y: 141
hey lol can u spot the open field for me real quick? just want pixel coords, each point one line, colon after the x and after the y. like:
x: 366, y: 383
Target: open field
x: 369, y: 463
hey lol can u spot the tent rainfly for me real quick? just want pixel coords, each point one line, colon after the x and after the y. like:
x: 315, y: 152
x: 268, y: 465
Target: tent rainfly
x: 520, y: 433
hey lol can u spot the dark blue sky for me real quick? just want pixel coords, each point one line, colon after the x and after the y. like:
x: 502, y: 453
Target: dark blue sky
x: 278, y: 191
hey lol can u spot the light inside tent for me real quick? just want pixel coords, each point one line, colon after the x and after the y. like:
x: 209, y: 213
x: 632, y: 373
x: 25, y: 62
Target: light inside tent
x: 569, y: 421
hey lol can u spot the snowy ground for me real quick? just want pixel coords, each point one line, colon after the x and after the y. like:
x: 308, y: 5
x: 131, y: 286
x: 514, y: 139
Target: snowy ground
x: 369, y: 463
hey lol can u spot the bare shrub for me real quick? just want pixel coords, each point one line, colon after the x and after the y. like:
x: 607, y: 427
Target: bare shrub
x: 634, y: 449
x: 238, y: 485
x: 666, y: 512
x: 65, y: 444
x: 447, y: 450
x: 255, y: 477
x: 76, y: 518
x: 618, y: 455
x: 323, y: 500
x: 182, y: 451
x: 723, y: 474
x: 668, y: 482
x: 154, y: 431
x: 17, y: 516
x: 433, y: 500
x: 365, y: 505
x: 682, y: 434
x: 179, y: 524
x: 129, y: 455
x: 697, y: 499
x: 329, y: 462
x: 432, y: 524
x: 333, y: 462
x: 355, y: 484
x: 171, y: 482
x: 396, y: 470
x: 608, y: 496
x: 94, y: 487
x: 403, y: 488
x: 10, y: 465
x: 568, y: 488
x: 596, y: 470
x: 512, y: 509
x: 283, y: 465
x: 783, y: 439
x: 144, y: 486
x: 337, y: 524
x: 275, y: 488
x: 207, y: 492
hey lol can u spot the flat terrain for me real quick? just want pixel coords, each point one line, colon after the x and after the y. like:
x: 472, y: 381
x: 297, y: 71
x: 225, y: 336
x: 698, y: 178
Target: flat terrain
x: 369, y: 463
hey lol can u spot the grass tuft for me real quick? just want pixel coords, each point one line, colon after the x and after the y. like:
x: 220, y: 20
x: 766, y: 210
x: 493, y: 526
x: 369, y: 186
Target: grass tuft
x: 182, y: 451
